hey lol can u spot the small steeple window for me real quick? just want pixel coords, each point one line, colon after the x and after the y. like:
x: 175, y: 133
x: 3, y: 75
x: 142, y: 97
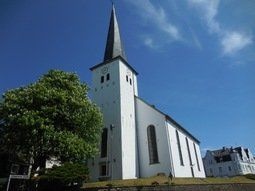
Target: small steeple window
x: 127, y: 78
x: 102, y: 79
x: 130, y: 81
x: 107, y: 77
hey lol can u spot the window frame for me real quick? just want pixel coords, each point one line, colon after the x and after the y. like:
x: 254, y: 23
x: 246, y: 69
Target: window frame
x: 107, y: 76
x: 195, y: 149
x: 179, y: 148
x: 152, y: 145
x: 104, y: 143
x: 102, y: 79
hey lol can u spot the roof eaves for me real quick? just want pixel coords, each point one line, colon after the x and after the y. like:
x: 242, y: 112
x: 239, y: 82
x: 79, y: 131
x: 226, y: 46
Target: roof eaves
x: 113, y: 59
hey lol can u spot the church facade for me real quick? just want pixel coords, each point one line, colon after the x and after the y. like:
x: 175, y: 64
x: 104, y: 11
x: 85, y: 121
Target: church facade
x: 138, y: 140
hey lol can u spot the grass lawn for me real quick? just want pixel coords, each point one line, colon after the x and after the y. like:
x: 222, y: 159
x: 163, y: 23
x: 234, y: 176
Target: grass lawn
x: 163, y: 180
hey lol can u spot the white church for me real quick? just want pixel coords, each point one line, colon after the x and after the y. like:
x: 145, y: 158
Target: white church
x: 138, y: 140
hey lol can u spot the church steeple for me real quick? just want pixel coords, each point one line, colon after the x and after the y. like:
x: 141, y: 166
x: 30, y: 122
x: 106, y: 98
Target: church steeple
x: 114, y: 45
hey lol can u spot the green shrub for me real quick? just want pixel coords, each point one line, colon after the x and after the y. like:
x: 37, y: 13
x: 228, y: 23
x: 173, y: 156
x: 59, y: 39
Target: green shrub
x: 250, y: 176
x: 161, y: 174
x: 109, y: 185
x: 68, y: 176
x: 154, y: 183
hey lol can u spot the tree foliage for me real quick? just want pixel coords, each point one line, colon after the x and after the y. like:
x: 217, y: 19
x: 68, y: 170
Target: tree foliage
x: 51, y: 117
x: 68, y: 176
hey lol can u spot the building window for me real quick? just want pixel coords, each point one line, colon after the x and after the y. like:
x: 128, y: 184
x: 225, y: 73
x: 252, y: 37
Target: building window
x: 130, y: 81
x: 108, y: 77
x: 190, y: 160
x: 102, y: 79
x: 152, y: 144
x: 179, y: 147
x: 104, y: 143
x: 229, y: 168
x: 220, y: 170
x: 103, y: 169
x: 198, y: 166
x: 211, y: 171
x: 187, y: 144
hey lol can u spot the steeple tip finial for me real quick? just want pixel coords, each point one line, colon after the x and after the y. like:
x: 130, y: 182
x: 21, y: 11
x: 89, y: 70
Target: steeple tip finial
x: 114, y: 45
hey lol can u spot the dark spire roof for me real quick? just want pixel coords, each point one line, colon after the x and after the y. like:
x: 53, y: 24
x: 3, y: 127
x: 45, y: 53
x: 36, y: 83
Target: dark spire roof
x: 114, y: 46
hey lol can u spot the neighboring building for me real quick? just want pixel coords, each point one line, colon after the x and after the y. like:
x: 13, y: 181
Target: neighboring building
x: 138, y: 140
x: 229, y: 162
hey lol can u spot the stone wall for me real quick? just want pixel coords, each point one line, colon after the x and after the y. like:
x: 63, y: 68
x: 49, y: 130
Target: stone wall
x: 201, y: 187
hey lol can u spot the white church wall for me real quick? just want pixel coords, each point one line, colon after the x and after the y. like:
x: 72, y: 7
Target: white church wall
x: 179, y: 170
x: 197, y: 163
x: 135, y: 85
x: 184, y: 169
x: 145, y: 116
x: 128, y: 131
x: 201, y: 172
x: 107, y: 96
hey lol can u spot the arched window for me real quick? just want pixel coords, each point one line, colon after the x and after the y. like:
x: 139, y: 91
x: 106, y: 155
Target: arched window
x: 179, y: 147
x: 152, y: 144
x: 104, y: 143
x: 198, y: 166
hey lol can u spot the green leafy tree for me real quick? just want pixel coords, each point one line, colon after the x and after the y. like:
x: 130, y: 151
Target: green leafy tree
x: 68, y: 176
x: 52, y: 117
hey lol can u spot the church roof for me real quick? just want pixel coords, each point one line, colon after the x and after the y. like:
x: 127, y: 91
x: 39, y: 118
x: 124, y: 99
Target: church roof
x: 170, y: 119
x: 114, y: 48
x: 114, y: 45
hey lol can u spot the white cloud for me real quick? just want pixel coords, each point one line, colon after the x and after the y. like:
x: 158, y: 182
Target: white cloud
x: 157, y: 16
x: 231, y: 41
x: 149, y: 42
x: 209, y: 9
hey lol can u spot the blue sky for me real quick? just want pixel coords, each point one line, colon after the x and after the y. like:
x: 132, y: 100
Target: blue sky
x: 195, y: 58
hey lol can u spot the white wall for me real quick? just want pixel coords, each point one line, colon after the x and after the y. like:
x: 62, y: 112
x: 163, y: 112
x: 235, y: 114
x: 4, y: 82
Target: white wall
x: 131, y: 116
x: 116, y: 100
x: 166, y: 144
x: 198, y: 173
x: 228, y: 168
x: 107, y: 96
x: 185, y: 169
x: 146, y: 116
x: 128, y: 125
